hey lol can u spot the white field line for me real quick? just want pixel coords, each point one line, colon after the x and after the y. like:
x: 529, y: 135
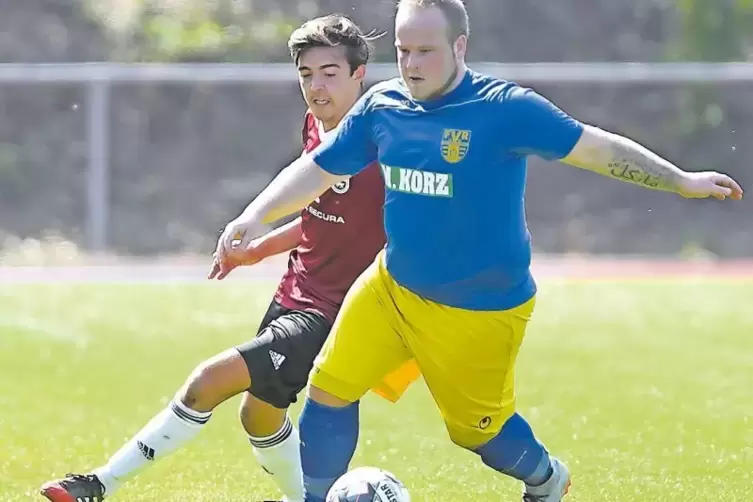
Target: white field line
x: 585, y: 269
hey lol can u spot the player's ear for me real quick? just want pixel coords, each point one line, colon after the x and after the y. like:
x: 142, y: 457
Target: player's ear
x: 360, y: 73
x: 460, y: 47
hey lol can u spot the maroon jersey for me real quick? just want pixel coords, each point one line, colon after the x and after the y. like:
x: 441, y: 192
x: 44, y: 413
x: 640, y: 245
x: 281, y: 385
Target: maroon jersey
x: 343, y: 230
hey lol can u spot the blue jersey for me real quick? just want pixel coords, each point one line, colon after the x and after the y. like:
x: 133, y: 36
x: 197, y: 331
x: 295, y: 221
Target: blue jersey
x: 454, y: 170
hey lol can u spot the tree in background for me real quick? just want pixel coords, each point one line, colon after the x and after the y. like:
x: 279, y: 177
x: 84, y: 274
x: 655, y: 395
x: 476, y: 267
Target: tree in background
x: 197, y: 30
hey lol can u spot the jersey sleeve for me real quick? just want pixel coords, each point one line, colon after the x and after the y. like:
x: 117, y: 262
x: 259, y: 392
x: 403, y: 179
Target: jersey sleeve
x: 350, y: 147
x: 306, y: 128
x: 533, y: 125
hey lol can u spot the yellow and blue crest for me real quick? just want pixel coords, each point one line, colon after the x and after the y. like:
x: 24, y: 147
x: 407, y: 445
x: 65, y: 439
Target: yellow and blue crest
x: 455, y: 144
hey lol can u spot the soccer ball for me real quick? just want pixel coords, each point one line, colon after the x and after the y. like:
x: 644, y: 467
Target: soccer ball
x: 368, y: 484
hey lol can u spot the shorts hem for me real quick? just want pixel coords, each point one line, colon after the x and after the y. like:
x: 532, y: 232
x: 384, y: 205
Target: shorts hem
x: 337, y: 387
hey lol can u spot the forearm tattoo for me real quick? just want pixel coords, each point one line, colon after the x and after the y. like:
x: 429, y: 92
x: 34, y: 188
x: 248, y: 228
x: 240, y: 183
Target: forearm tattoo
x: 635, y: 164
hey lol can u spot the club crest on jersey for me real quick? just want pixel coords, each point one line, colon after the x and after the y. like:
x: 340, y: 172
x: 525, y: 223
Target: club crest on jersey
x: 341, y: 187
x: 455, y: 144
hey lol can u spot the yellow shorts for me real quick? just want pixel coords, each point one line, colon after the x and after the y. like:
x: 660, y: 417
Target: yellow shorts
x: 467, y: 357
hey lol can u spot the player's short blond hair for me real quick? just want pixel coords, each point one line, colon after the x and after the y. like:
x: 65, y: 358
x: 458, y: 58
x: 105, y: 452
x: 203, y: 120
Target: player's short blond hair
x: 454, y: 11
x: 334, y: 30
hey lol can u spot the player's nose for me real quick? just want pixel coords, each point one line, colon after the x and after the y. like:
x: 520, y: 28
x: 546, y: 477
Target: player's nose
x: 317, y: 84
x: 411, y: 61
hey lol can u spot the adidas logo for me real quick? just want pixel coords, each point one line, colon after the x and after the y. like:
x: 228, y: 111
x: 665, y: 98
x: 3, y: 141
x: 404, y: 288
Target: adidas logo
x: 88, y: 499
x: 145, y: 450
x: 277, y: 359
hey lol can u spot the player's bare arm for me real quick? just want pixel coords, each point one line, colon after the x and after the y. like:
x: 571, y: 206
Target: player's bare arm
x: 625, y: 160
x: 280, y: 240
x: 295, y: 187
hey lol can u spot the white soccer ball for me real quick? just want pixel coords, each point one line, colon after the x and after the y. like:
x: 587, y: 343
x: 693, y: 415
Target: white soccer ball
x: 368, y: 484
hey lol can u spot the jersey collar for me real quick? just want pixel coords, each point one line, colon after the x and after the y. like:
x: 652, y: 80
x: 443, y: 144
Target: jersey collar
x: 452, y: 96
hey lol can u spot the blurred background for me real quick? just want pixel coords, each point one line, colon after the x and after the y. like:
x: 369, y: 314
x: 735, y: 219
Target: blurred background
x: 100, y: 156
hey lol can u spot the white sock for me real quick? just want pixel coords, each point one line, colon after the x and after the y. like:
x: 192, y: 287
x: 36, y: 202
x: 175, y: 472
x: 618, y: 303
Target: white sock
x: 168, y: 431
x: 280, y: 455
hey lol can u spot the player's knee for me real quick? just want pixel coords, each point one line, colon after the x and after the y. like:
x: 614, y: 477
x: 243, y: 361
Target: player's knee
x: 198, y: 390
x: 473, y: 436
x: 468, y: 438
x: 215, y: 380
x: 327, y: 399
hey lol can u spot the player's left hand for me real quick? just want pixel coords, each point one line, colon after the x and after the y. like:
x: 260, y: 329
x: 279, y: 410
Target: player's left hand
x: 220, y: 271
x: 709, y: 184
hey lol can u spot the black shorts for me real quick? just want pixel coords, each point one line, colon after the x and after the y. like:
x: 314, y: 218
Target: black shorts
x: 281, y: 356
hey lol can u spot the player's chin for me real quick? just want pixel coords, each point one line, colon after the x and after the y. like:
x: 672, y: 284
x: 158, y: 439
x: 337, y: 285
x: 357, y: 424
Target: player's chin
x: 419, y: 91
x: 322, y: 112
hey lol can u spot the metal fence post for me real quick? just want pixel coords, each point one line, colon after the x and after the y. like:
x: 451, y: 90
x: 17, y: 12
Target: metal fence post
x: 98, y: 175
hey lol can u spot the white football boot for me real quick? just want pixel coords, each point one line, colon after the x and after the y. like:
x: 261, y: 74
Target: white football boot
x: 554, y: 489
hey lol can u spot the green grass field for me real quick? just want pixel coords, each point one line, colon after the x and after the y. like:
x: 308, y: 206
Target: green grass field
x: 644, y: 389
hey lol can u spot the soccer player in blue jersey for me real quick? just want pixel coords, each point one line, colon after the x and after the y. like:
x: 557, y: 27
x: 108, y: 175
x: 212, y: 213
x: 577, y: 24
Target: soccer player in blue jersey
x: 453, y: 288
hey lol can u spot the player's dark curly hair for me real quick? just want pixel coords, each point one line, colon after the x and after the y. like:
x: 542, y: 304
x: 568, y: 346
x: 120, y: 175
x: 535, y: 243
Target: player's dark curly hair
x: 334, y: 30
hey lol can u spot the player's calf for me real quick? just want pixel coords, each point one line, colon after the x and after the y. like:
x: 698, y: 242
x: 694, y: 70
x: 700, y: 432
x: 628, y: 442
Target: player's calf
x: 516, y: 452
x: 276, y: 444
x: 329, y: 435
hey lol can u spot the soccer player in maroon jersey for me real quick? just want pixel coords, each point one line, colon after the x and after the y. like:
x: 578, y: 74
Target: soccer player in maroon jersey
x: 336, y: 237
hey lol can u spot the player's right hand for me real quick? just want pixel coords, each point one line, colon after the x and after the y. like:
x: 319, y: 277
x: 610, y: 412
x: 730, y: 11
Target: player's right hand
x: 709, y: 184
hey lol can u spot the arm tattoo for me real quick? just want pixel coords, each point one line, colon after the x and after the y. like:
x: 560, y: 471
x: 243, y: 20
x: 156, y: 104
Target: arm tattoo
x: 635, y: 169
x: 625, y: 160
